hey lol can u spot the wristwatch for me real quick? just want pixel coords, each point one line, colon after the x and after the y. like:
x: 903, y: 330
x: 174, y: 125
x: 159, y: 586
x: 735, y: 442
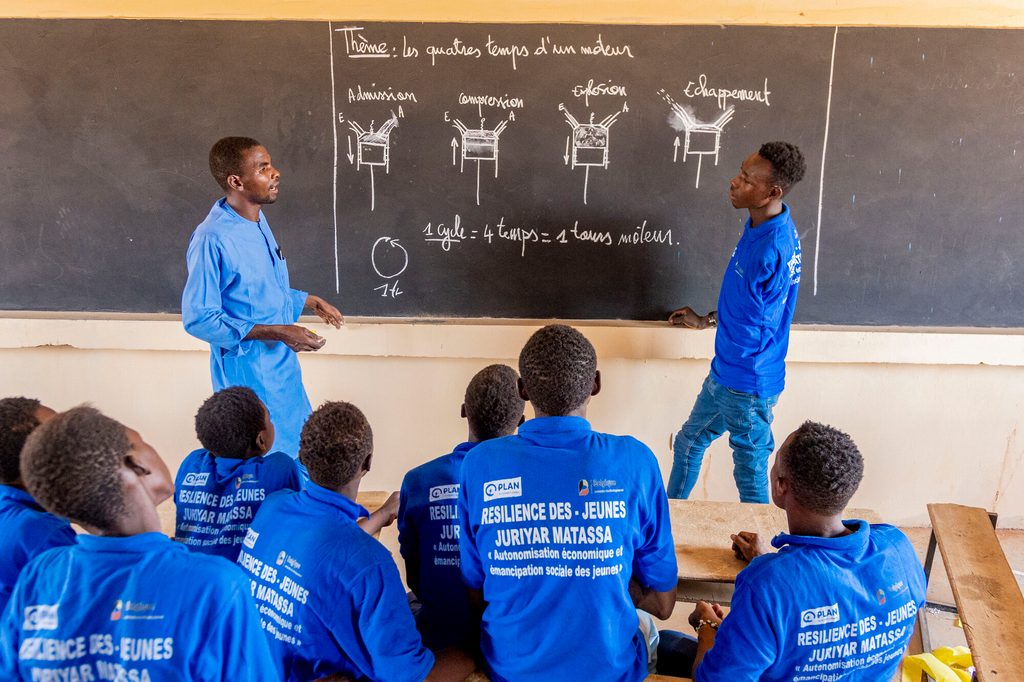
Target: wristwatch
x: 713, y: 318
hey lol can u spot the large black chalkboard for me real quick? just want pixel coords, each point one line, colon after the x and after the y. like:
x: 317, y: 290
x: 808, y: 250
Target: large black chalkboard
x: 398, y: 201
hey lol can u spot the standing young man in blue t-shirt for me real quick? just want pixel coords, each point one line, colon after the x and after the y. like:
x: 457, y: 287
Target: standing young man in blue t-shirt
x: 238, y: 297
x: 428, y: 513
x: 26, y: 529
x: 565, y: 531
x: 838, y: 599
x: 329, y: 594
x: 220, y: 487
x: 755, y: 307
x: 124, y: 602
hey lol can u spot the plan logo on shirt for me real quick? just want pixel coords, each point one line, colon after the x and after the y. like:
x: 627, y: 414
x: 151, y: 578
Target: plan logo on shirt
x: 133, y: 610
x: 40, y: 617
x: 195, y: 480
x: 444, y: 492
x: 251, y: 537
x: 280, y: 558
x: 584, y: 487
x: 504, y: 487
x: 820, y: 616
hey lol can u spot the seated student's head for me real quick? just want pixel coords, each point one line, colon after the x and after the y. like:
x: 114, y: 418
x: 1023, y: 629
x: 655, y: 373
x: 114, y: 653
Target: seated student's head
x: 18, y: 418
x: 817, y: 470
x: 85, y: 466
x: 235, y: 423
x: 336, y: 446
x: 493, y: 405
x: 559, y: 371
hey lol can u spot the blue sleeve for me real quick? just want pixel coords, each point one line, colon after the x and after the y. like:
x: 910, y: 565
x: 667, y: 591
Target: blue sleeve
x: 654, y: 560
x: 235, y: 646
x: 298, y: 303
x: 202, y: 309
x: 389, y: 647
x: 747, y: 643
x: 407, y: 540
x: 469, y: 556
x: 10, y: 631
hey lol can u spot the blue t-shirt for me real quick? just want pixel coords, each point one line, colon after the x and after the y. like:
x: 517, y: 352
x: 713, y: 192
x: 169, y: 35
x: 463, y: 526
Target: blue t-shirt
x: 132, y: 608
x: 26, y: 531
x: 555, y: 521
x: 428, y: 536
x: 238, y: 278
x: 755, y: 306
x: 330, y: 597
x: 821, y: 608
x: 216, y: 498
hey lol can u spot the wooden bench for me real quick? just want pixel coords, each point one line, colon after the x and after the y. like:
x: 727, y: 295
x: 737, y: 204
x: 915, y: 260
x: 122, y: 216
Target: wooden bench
x: 986, y: 593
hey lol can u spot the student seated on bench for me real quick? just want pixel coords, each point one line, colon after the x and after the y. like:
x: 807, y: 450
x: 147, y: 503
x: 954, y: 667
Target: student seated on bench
x: 26, y: 529
x: 330, y: 594
x: 124, y: 602
x: 837, y: 598
x: 565, y: 531
x: 220, y: 487
x: 428, y: 523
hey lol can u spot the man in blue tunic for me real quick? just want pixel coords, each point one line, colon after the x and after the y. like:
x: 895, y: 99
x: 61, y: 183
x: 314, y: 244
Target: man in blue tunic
x: 428, y: 513
x: 124, y: 602
x: 837, y: 600
x: 755, y: 307
x: 238, y: 297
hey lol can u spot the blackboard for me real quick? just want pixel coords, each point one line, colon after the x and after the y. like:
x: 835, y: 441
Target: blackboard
x: 571, y: 171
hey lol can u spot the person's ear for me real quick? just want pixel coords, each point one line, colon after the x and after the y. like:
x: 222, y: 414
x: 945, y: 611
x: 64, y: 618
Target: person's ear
x: 597, y: 383
x: 367, y: 462
x: 235, y: 182
x: 522, y: 420
x: 775, y: 193
x: 462, y: 411
x: 261, y: 441
x: 522, y: 390
x: 135, y: 467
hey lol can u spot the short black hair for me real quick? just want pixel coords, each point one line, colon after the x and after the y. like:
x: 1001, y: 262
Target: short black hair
x: 226, y: 157
x: 824, y: 466
x: 558, y: 365
x: 228, y: 423
x: 335, y: 443
x: 788, y: 165
x: 17, y: 420
x: 493, y: 404
x: 71, y: 465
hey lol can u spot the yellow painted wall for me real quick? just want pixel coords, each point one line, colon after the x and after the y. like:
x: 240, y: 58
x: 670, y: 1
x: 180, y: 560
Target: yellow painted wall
x: 808, y: 12
x: 940, y: 417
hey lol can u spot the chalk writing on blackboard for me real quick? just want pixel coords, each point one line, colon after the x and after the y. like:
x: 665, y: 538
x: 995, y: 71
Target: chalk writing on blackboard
x: 373, y: 148
x: 700, y: 138
x: 587, y: 145
x: 478, y: 144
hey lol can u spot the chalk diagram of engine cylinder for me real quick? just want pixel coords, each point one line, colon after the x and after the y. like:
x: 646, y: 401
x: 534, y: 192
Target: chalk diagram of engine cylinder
x: 700, y: 138
x: 373, y: 149
x: 478, y: 144
x: 587, y: 145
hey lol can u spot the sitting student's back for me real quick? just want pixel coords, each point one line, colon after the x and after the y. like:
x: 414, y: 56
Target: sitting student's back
x: 220, y: 487
x: 125, y: 602
x: 428, y: 522
x: 26, y: 529
x: 838, y: 600
x: 330, y: 594
x: 565, y: 531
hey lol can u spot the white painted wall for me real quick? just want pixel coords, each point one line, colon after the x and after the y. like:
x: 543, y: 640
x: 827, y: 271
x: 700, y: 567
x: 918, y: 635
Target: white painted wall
x: 938, y: 415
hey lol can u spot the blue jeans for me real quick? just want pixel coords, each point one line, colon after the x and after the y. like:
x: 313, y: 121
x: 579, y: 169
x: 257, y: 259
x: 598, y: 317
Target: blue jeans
x: 747, y: 418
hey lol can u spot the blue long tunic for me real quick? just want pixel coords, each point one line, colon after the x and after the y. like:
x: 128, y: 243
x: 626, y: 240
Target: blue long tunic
x: 238, y: 278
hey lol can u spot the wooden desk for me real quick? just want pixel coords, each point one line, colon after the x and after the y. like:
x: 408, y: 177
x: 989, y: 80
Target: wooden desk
x: 707, y: 566
x: 986, y: 592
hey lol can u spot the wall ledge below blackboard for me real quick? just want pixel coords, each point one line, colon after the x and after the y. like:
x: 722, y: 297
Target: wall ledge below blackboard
x: 493, y: 339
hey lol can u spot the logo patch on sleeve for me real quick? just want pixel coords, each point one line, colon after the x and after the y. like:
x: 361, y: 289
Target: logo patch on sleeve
x: 251, y: 537
x: 195, y: 480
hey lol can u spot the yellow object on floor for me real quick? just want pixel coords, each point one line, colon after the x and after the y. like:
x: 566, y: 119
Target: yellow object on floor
x: 945, y: 664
